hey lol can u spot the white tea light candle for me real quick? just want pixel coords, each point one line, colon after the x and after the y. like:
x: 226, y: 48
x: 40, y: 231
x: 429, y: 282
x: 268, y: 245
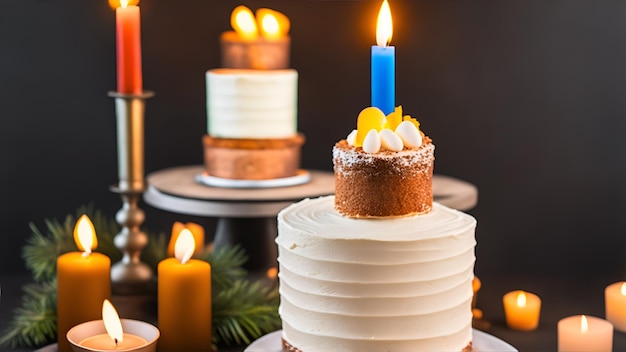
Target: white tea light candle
x: 584, y: 333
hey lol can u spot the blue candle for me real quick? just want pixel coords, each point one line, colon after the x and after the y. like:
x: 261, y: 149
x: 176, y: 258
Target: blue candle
x: 383, y: 80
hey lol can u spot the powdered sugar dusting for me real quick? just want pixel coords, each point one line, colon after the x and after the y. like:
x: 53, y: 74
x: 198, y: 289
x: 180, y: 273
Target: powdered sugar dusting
x: 345, y: 157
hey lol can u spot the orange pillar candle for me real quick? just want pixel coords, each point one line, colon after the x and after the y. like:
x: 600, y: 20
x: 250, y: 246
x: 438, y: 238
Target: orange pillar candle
x: 615, y: 305
x: 584, y: 333
x: 128, y: 25
x: 83, y: 282
x: 184, y: 299
x: 522, y: 310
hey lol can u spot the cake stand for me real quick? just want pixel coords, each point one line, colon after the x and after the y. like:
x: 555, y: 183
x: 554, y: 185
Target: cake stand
x: 240, y: 211
x: 245, y: 216
x: 482, y: 342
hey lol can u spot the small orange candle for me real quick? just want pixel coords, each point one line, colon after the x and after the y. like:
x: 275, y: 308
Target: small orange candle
x: 184, y: 299
x: 128, y: 24
x: 522, y: 310
x: 584, y: 333
x: 196, y: 230
x: 83, y: 282
x: 615, y: 304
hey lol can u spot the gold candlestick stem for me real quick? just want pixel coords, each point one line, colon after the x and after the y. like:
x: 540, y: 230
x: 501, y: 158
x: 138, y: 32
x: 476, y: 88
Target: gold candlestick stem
x: 130, y: 275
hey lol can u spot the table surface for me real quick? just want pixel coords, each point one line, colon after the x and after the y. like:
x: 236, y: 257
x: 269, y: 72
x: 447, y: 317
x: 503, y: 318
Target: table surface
x: 561, y: 297
x: 176, y: 190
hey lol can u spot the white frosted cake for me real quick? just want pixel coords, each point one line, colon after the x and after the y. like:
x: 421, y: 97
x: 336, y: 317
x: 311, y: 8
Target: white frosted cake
x: 360, y: 273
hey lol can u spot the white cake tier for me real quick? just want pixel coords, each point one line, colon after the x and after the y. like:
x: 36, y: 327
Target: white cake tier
x: 252, y: 103
x: 395, y: 284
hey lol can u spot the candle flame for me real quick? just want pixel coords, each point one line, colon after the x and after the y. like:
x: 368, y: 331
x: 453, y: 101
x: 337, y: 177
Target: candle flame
x: 85, y: 234
x: 521, y: 299
x: 623, y: 289
x: 269, y: 24
x: 273, y: 24
x: 185, y: 245
x: 384, y: 26
x: 122, y: 3
x: 112, y: 322
x: 196, y: 230
x: 243, y: 22
x: 584, y: 326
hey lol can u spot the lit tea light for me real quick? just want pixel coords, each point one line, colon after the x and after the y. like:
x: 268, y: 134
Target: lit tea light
x: 522, y: 310
x: 584, y: 333
x: 256, y: 42
x: 113, y: 334
x: 615, y: 305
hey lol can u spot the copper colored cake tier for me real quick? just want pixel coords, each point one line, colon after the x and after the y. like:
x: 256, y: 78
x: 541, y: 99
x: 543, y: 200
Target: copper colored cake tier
x: 252, y: 159
x: 383, y: 184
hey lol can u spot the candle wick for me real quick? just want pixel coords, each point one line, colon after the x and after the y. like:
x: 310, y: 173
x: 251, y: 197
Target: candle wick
x: 115, y: 341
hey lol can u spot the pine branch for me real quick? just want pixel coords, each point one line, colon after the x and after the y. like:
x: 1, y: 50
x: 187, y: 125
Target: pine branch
x: 226, y: 265
x: 41, y: 251
x: 34, y: 323
x: 244, y: 312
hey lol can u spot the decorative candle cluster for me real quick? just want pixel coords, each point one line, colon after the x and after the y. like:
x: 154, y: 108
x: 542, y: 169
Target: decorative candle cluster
x: 184, y: 298
x: 257, y: 42
x: 575, y: 333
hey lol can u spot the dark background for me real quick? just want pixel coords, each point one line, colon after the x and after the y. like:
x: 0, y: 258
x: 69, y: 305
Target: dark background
x: 523, y: 98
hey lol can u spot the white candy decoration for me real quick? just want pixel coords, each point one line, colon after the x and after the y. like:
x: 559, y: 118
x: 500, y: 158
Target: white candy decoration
x: 390, y: 140
x: 371, y: 143
x: 351, y: 138
x: 409, y: 134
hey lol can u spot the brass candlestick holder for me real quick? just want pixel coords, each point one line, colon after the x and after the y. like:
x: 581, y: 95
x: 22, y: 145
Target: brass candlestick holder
x: 130, y: 275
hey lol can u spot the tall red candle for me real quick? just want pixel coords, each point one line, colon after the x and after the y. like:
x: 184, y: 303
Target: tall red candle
x: 129, y: 80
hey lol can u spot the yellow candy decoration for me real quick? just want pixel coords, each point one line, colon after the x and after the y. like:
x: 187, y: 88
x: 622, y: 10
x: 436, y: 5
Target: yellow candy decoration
x: 394, y: 118
x: 369, y: 118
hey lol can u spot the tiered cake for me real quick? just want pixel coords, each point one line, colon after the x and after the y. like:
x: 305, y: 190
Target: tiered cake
x: 252, y: 128
x: 378, y: 266
x: 252, y: 110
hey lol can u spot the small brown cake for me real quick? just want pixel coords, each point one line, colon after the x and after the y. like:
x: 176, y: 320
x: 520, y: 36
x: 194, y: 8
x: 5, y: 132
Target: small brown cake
x: 383, y: 184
